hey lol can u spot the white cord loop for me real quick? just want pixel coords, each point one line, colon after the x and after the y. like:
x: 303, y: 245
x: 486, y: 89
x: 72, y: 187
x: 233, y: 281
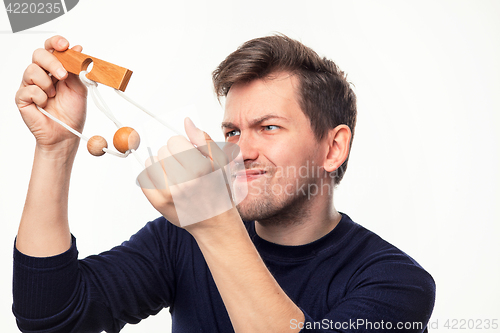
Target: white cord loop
x: 117, y: 153
x: 97, y: 98
x: 87, y: 82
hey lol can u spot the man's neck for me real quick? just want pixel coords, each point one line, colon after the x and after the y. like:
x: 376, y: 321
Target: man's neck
x: 321, y: 218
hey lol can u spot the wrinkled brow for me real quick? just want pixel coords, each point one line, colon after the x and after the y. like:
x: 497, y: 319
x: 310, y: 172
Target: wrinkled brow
x: 254, y: 122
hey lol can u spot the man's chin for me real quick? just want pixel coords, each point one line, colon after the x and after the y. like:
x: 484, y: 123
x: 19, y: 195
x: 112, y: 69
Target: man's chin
x: 244, y: 211
x: 251, y: 208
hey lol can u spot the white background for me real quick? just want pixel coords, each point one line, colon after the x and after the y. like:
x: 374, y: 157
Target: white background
x: 424, y: 168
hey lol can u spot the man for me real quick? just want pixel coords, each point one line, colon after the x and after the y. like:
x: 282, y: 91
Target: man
x: 295, y: 264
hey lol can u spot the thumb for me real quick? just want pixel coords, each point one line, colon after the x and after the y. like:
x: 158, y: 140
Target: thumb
x: 195, y: 135
x: 205, y: 144
x: 200, y: 139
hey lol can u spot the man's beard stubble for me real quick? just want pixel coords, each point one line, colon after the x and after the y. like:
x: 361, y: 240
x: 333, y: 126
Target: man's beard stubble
x: 268, y: 213
x: 270, y: 209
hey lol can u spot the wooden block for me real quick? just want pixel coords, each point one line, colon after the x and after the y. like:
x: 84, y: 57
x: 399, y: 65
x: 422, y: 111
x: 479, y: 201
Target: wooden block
x: 102, y: 71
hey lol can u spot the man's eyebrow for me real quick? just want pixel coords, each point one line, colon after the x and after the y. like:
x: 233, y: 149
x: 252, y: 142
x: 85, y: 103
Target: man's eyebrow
x: 228, y: 124
x: 254, y: 122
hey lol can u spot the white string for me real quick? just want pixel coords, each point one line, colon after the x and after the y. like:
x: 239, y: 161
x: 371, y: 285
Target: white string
x: 116, y: 153
x: 137, y: 157
x: 122, y: 94
x: 101, y: 105
x: 97, y: 98
x: 80, y: 135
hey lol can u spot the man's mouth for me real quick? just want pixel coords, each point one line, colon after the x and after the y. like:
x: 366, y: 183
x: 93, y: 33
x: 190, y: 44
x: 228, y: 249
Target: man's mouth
x: 249, y: 175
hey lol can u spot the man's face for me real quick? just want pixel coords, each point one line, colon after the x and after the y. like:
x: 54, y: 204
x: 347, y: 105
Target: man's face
x: 281, y: 154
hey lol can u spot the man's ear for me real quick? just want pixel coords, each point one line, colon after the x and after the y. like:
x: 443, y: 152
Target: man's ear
x: 339, y: 140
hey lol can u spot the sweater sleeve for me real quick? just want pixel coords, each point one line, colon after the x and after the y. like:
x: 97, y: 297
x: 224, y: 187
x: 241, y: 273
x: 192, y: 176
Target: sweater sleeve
x: 386, y: 296
x: 99, y: 293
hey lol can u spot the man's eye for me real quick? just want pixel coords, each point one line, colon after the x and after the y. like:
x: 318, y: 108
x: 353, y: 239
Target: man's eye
x: 232, y: 133
x: 270, y: 127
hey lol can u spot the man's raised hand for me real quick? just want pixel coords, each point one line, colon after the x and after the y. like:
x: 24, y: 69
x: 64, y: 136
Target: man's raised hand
x: 47, y: 84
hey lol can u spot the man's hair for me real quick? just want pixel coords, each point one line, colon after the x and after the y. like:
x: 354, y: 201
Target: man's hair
x: 325, y: 96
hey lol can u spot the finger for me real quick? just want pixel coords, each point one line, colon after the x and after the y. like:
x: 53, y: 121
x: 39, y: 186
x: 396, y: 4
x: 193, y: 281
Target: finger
x: 145, y: 182
x: 77, y: 48
x: 156, y: 174
x: 195, y: 135
x: 47, y: 61
x: 74, y: 80
x: 57, y: 43
x: 219, y: 156
x: 175, y: 172
x: 154, y: 196
x: 148, y: 188
x: 29, y: 95
x: 34, y: 75
x: 205, y: 144
x: 188, y: 156
x: 199, y: 138
x: 143, y: 179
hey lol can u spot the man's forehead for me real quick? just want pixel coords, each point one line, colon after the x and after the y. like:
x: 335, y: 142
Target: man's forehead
x: 272, y: 97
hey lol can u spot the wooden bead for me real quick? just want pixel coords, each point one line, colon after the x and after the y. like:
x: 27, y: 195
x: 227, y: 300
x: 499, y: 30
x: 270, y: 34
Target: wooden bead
x: 126, y: 138
x: 96, y: 144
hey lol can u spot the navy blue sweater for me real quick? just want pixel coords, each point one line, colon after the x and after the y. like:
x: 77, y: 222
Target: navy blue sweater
x: 350, y: 280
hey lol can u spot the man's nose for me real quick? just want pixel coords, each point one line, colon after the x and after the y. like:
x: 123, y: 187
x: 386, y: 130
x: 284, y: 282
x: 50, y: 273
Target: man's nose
x: 248, y: 146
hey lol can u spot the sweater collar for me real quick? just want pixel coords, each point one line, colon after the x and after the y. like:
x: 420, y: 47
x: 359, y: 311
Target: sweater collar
x: 333, y: 239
